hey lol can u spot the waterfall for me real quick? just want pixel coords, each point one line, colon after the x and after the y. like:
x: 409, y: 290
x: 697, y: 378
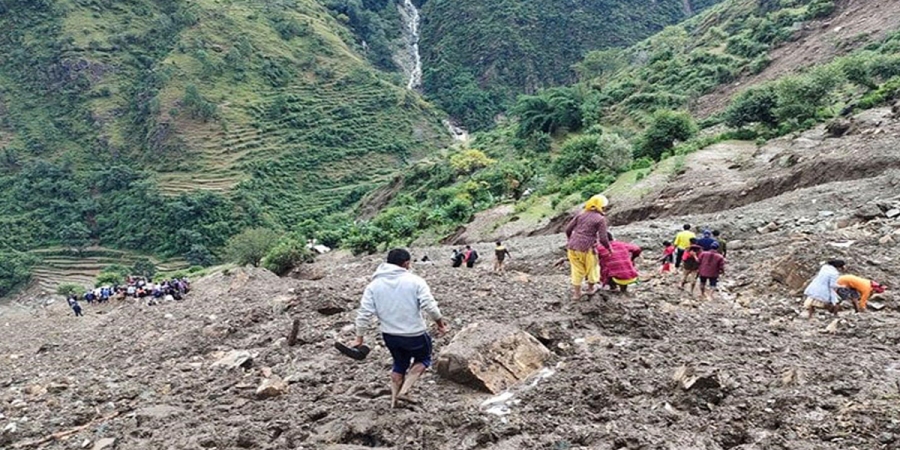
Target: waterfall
x: 410, y: 60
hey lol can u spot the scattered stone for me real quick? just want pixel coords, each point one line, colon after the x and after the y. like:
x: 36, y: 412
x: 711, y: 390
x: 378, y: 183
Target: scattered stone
x: 790, y: 272
x: 56, y: 388
x: 771, y: 227
x: 868, y: 211
x: 35, y: 390
x: 491, y: 356
x: 824, y: 214
x: 271, y: 387
x: 792, y: 376
x: 10, y: 428
x: 892, y: 213
x: 329, y: 307
x: 105, y: 443
x: 235, y: 359
x: 886, y: 239
x: 833, y: 326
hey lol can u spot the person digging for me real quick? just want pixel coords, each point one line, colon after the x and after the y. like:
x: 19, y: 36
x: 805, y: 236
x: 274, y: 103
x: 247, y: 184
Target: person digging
x: 397, y: 299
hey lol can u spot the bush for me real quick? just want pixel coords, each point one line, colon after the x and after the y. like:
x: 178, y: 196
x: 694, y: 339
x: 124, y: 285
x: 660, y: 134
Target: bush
x: 288, y: 254
x: 364, y: 238
x: 469, y: 161
x: 144, y: 268
x: 69, y: 289
x: 15, y: 270
x: 755, y: 105
x: 608, y: 152
x: 199, y: 255
x: 251, y: 246
x: 666, y: 127
x: 75, y: 236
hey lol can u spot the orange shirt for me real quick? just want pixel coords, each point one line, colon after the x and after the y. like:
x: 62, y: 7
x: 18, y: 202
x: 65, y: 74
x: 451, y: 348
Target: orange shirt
x: 861, y: 285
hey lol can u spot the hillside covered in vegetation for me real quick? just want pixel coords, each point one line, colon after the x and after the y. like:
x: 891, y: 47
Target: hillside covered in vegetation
x: 632, y: 111
x: 478, y: 55
x: 163, y: 125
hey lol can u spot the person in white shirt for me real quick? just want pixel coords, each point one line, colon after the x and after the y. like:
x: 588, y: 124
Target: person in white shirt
x: 398, y: 298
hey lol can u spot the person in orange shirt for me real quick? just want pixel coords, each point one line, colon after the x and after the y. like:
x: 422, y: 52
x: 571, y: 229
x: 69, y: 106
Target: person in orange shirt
x: 857, y: 290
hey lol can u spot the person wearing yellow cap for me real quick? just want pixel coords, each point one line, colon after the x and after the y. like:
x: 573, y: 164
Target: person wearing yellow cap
x: 583, y: 232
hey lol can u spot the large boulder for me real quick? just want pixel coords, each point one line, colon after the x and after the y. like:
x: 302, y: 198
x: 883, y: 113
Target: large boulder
x: 791, y: 272
x: 491, y: 356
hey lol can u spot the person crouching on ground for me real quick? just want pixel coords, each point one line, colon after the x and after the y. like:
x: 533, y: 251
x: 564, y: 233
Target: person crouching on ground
x: 857, y: 290
x: 397, y: 299
x: 712, y: 266
x: 583, y: 232
x: 822, y: 290
x: 617, y: 266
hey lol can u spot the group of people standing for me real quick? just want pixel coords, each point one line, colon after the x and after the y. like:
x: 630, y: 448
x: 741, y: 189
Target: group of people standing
x: 135, y: 287
x: 596, y: 257
x: 469, y: 256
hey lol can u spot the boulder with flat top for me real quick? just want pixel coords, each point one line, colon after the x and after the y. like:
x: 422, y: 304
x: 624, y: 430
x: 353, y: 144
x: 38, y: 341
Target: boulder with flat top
x: 490, y: 356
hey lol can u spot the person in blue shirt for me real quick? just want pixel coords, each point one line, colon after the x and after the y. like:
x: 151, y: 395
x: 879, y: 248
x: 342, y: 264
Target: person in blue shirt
x: 706, y: 241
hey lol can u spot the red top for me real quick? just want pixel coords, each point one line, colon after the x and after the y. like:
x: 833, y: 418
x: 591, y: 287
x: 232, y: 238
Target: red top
x: 712, y: 264
x: 620, y: 264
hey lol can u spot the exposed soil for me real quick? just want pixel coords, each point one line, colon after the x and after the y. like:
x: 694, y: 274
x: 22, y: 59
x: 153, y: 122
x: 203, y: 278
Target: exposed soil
x: 659, y: 369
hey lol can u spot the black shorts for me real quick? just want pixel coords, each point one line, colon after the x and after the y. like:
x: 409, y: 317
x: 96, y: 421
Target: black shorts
x: 408, y: 350
x: 713, y: 281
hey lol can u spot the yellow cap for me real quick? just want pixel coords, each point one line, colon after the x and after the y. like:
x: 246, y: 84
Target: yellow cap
x: 596, y: 203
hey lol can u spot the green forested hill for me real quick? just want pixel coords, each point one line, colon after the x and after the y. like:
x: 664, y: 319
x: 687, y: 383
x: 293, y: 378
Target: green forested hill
x: 160, y: 125
x: 479, y: 54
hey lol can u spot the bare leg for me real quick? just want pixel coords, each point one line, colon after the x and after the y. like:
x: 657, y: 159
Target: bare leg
x: 396, y: 383
x: 577, y: 292
x: 414, y: 373
x: 812, y: 312
x: 591, y: 289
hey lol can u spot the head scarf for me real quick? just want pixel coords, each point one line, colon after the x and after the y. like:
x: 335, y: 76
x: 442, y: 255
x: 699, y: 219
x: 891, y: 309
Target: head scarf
x: 877, y: 288
x: 596, y: 203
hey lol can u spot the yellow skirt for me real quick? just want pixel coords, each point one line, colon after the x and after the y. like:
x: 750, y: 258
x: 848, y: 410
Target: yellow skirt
x: 624, y: 282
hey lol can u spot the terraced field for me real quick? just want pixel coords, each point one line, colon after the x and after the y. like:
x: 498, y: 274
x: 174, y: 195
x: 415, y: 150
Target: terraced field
x: 310, y: 147
x: 58, y: 266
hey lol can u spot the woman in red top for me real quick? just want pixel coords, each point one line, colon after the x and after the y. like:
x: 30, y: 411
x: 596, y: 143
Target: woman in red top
x: 617, y: 264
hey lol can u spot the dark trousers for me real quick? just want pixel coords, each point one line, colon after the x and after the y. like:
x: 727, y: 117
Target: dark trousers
x: 77, y: 310
x: 678, y: 255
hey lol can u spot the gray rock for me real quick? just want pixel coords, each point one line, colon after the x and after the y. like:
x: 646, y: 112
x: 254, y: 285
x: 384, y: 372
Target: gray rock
x: 892, y: 213
x: 104, y: 444
x: 235, y: 359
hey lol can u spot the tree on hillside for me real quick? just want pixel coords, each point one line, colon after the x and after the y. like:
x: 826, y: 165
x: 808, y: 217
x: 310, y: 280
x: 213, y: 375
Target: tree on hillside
x: 755, y: 105
x: 251, y: 246
x: 15, y: 270
x: 608, y: 153
x: 199, y: 255
x: 549, y: 111
x: 144, y: 268
x: 666, y: 127
x: 75, y: 236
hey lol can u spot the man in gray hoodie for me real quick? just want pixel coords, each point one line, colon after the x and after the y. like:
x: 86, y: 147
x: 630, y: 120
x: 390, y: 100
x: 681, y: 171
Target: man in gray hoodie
x: 398, y: 298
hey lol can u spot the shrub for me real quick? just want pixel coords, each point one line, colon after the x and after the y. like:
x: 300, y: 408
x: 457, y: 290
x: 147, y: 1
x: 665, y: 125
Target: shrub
x: 755, y: 105
x: 199, y: 255
x: 251, y: 246
x: 197, y: 105
x: 144, y: 268
x: 75, y: 236
x: 68, y: 289
x: 608, y: 152
x: 288, y: 254
x: 15, y: 270
x: 666, y: 127
x: 469, y: 161
x: 364, y: 238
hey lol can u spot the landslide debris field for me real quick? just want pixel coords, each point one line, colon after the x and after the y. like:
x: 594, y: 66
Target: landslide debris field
x: 658, y: 369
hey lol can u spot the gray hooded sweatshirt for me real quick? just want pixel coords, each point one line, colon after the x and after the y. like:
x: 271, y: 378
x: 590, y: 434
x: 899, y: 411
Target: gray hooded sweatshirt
x: 397, y: 298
